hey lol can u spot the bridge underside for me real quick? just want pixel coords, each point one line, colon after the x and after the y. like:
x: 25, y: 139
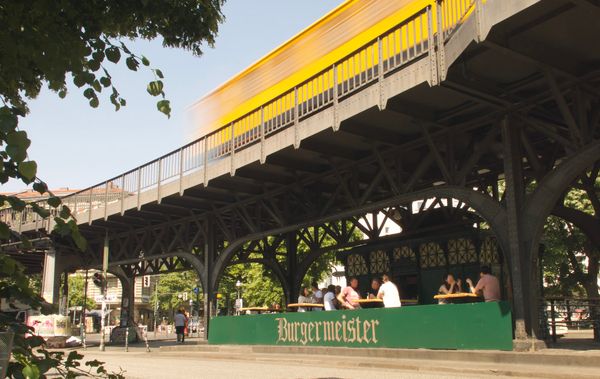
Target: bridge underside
x: 514, y: 124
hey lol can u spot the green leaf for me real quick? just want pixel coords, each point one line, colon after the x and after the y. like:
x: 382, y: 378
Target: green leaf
x: 65, y: 212
x: 145, y: 61
x: 98, y: 55
x: 17, y: 153
x: 18, y: 138
x: 132, y: 63
x: 93, y: 65
x: 79, y: 240
x: 79, y: 80
x: 105, y: 81
x: 164, y: 106
x: 4, y: 231
x: 113, y: 54
x: 53, y: 201
x: 94, y: 102
x: 42, y: 212
x: 89, y: 93
x: 28, y: 170
x: 31, y: 372
x: 155, y: 88
x: 159, y: 73
x: 97, y: 86
x: 40, y: 187
x: 8, y: 120
x: 62, y: 93
x: 17, y: 145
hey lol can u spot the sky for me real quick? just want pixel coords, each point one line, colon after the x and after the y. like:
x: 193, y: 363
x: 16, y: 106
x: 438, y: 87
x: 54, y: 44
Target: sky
x: 77, y: 146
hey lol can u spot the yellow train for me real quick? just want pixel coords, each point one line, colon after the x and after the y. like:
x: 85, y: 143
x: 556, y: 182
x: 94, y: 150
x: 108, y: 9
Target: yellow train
x: 300, y: 74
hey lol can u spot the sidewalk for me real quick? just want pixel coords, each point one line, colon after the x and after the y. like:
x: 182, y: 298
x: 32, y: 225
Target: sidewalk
x: 547, y: 363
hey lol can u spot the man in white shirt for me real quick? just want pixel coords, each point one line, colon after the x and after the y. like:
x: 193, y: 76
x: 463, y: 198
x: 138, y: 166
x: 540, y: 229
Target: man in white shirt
x: 389, y: 293
x: 329, y: 298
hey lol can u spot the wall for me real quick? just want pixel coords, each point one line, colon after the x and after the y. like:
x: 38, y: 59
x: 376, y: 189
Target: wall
x: 452, y: 326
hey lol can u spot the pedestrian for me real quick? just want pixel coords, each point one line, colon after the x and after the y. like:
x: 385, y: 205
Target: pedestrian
x: 317, y: 295
x: 180, y: 321
x: 388, y: 292
x: 329, y: 298
x: 349, y: 295
x: 304, y: 298
x: 488, y: 285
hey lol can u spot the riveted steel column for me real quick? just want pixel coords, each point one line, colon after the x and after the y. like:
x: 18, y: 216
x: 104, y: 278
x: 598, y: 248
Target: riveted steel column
x: 514, y: 194
x: 209, y: 259
x: 433, y: 74
x: 292, y: 267
x: 441, y: 49
x: 127, y: 300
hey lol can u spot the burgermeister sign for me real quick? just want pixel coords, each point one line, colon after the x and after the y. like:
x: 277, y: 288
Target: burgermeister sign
x: 343, y: 330
x: 456, y: 326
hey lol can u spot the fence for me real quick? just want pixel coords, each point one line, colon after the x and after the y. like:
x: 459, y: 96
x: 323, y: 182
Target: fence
x: 407, y: 42
x: 563, y: 312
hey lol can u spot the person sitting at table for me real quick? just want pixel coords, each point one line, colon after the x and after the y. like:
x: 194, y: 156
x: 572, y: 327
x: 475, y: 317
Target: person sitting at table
x: 449, y: 286
x: 304, y: 298
x: 349, y: 295
x: 336, y: 301
x: 388, y: 292
x: 317, y: 295
x: 488, y: 284
x: 275, y: 308
x: 375, y: 284
x: 329, y: 298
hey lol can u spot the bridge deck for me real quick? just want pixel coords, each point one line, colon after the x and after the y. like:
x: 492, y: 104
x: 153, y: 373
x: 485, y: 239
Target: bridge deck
x: 201, y: 175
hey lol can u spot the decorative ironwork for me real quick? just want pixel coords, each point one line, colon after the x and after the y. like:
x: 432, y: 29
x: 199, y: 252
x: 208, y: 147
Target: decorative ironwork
x: 357, y: 265
x: 461, y: 251
x: 432, y: 255
x: 489, y: 251
x: 405, y: 253
x: 380, y: 262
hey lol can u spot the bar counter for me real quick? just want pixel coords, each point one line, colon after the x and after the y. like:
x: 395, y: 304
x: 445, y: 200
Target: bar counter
x: 451, y: 326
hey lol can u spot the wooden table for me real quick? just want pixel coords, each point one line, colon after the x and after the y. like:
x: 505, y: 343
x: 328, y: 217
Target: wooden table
x: 370, y: 303
x: 308, y: 306
x: 409, y: 302
x: 460, y: 297
x: 254, y: 309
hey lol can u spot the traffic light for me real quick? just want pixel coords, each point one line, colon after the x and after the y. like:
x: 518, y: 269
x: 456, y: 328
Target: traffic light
x: 146, y: 281
x: 98, y: 279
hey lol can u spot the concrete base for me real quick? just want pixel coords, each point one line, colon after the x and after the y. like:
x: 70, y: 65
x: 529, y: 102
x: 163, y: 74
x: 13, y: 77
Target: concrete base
x: 530, y: 344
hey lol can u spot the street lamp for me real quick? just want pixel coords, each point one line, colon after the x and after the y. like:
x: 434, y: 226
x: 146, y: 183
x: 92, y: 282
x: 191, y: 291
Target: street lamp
x: 238, y: 285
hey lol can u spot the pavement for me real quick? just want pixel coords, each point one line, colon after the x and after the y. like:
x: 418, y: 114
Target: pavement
x: 195, y: 358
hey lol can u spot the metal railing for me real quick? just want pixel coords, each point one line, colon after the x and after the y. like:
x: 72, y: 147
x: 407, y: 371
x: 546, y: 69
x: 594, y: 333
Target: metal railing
x: 558, y: 313
x: 408, y: 41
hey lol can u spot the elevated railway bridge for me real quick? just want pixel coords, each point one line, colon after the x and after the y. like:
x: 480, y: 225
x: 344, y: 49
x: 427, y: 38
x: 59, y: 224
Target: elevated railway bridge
x: 490, y: 112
